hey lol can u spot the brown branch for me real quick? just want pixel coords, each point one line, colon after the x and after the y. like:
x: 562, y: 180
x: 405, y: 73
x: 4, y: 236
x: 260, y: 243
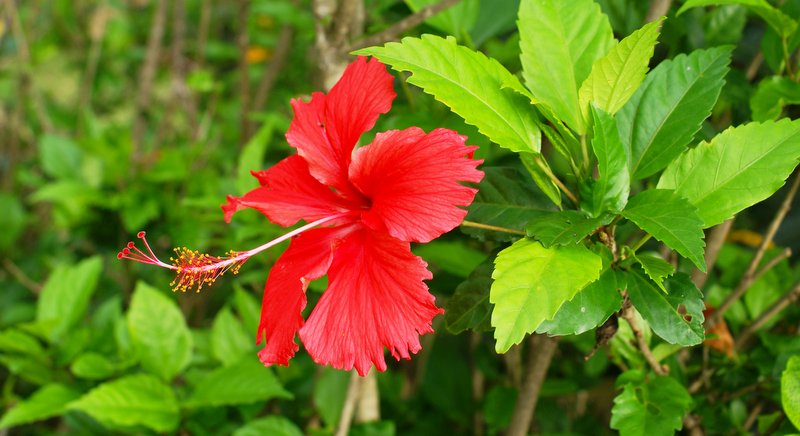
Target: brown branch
x: 202, y: 32
x: 755, y: 64
x: 353, y: 392
x: 658, y: 9
x: 147, y: 75
x: 273, y: 68
x: 541, y: 349
x: 368, y: 408
x: 242, y: 40
x: 782, y: 303
x: 750, y: 275
x: 391, y: 33
x: 23, y: 278
x: 628, y: 315
x: 714, y: 242
x: 97, y: 30
x: 344, y: 21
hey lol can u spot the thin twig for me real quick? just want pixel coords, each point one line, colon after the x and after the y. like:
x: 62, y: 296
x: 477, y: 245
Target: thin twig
x: 147, y: 75
x: 750, y: 275
x: 755, y: 64
x: 466, y: 223
x: 628, y: 315
x: 549, y: 173
x: 242, y: 40
x: 658, y: 9
x: 97, y: 30
x: 23, y: 278
x: 751, y: 417
x: 541, y: 349
x: 714, y: 242
x: 787, y: 299
x: 202, y: 32
x: 273, y: 68
x: 353, y: 392
x: 392, y: 32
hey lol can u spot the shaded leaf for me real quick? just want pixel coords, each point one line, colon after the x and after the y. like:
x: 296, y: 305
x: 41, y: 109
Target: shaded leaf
x: 454, y: 257
x: 532, y: 282
x: 65, y: 296
x: 564, y: 228
x: 92, y: 366
x: 469, y: 306
x: 456, y: 20
x: 245, y: 382
x: 130, y: 401
x: 776, y: 19
x: 668, y: 109
x: 771, y: 96
x: 748, y: 163
x: 229, y: 342
x: 470, y: 84
x: 677, y: 316
x: 330, y: 391
x: 560, y: 40
x: 270, y: 425
x: 611, y: 189
x: 650, y: 408
x: 49, y: 401
x: 670, y: 219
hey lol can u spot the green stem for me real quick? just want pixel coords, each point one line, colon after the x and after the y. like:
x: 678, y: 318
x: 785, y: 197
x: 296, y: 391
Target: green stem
x: 549, y: 173
x: 641, y: 242
x: 466, y: 223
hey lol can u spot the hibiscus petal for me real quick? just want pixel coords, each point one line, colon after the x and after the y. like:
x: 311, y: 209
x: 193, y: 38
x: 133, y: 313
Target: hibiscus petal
x: 307, y: 258
x: 375, y: 298
x: 412, y: 179
x: 326, y: 129
x: 287, y: 194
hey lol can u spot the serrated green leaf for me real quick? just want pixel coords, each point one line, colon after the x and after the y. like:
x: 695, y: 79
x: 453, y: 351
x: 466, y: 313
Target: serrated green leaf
x: 244, y: 382
x: 271, y: 425
x: 790, y: 390
x: 590, y: 307
x: 748, y: 163
x: 651, y: 408
x: 133, y: 400
x: 506, y: 198
x: 65, y: 296
x: 677, y: 316
x: 776, y: 19
x: 670, y: 219
x: 92, y: 366
x: 772, y: 94
x: 470, y: 84
x: 229, y: 342
x: 158, y: 332
x: 560, y: 40
x: 49, y: 401
x: 616, y: 76
x: 469, y: 306
x: 668, y: 109
x: 655, y: 267
x: 566, y: 227
x: 611, y: 189
x: 532, y: 282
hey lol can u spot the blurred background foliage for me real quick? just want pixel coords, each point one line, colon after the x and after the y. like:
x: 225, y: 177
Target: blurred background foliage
x: 126, y: 115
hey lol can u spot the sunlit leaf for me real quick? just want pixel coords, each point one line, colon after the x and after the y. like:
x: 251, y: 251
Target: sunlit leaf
x: 49, y: 401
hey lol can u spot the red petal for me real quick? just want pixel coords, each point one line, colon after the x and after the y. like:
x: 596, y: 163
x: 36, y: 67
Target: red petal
x: 326, y: 129
x: 288, y: 194
x: 413, y: 182
x: 376, y: 298
x: 307, y: 258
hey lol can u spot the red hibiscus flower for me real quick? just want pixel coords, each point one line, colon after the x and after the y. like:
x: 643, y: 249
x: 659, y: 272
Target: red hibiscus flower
x: 403, y: 187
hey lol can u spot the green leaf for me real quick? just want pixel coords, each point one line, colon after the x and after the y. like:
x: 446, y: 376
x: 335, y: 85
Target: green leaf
x: 330, y: 390
x: 245, y: 382
x: 495, y: 17
x: 560, y: 40
x: 92, y: 366
x: 470, y: 84
x: 454, y: 257
x: 60, y: 157
x: 532, y: 282
x: 567, y: 227
x: 677, y: 316
x: 133, y: 400
x: 611, y: 189
x: 590, y: 307
x: 469, y: 306
x: 654, y: 408
x: 252, y: 155
x: 456, y: 20
x: 670, y: 219
x: 506, y: 199
x: 229, y: 342
x: 12, y: 220
x: 668, y: 109
x: 159, y: 333
x: 749, y: 163
x: 790, y: 390
x: 776, y: 19
x: 655, y: 267
x: 65, y: 296
x: 17, y: 341
x: 49, y: 401
x: 771, y: 96
x: 616, y: 76
x: 539, y: 176
x: 270, y: 425
x: 248, y: 308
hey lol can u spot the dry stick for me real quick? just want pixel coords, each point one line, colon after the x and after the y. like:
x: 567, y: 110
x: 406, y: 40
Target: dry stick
x: 749, y: 276
x: 714, y: 242
x: 273, y: 68
x: 787, y: 299
x: 628, y: 315
x: 755, y: 64
x: 147, y: 75
x: 23, y: 278
x: 540, y: 353
x: 353, y: 392
x: 202, y: 32
x: 98, y: 25
x: 368, y: 408
x: 242, y: 41
x: 658, y: 9
x: 392, y: 32
x: 751, y: 418
x: 25, y: 63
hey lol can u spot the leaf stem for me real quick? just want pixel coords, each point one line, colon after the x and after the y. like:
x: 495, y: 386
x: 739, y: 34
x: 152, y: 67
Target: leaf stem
x: 641, y: 242
x: 466, y: 223
x: 555, y: 180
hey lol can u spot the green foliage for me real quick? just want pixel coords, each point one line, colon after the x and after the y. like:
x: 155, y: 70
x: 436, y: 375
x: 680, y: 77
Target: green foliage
x: 611, y: 189
x: 469, y: 306
x: 567, y: 227
x: 771, y: 96
x: 48, y: 401
x: 66, y: 295
x: 272, y: 425
x: 649, y: 407
x: 790, y: 390
x: 244, y: 382
x: 782, y: 24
